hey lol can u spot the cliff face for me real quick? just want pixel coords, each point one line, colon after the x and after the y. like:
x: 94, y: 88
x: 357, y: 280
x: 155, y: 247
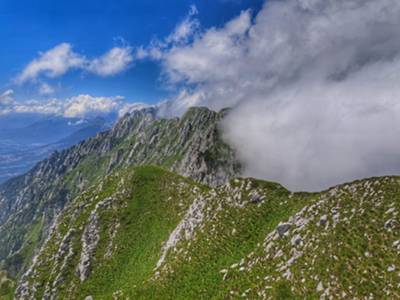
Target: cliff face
x: 191, y: 146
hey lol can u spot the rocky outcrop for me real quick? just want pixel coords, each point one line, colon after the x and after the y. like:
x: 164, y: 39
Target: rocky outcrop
x: 90, y: 239
x: 186, y: 228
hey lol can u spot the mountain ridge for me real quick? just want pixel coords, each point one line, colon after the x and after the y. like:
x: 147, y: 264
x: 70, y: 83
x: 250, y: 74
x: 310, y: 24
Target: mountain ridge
x: 33, y: 200
x: 146, y: 233
x: 156, y: 209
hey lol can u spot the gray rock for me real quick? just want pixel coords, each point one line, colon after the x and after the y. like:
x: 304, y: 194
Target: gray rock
x: 389, y: 224
x: 323, y: 220
x: 296, y: 240
x: 396, y: 244
x: 283, y: 228
x: 255, y: 197
x: 90, y: 239
x: 320, y: 287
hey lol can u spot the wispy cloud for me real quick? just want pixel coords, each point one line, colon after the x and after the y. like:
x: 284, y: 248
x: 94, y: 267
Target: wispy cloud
x: 183, y: 33
x: 45, y: 89
x: 185, y: 29
x: 6, y: 98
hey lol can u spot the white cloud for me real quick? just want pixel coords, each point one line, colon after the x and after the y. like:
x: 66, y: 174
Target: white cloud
x: 211, y: 58
x: 183, y: 33
x: 46, y: 89
x: 80, y: 106
x: 186, y: 98
x: 61, y: 59
x: 7, y: 98
x: 185, y: 29
x: 83, y: 105
x: 314, y: 84
x: 130, y: 107
x: 111, y: 63
x: 52, y: 63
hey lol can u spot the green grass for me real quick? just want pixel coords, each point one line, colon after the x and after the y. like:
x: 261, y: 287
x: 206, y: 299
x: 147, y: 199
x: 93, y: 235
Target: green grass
x: 216, y: 248
x: 145, y: 223
x: 149, y: 202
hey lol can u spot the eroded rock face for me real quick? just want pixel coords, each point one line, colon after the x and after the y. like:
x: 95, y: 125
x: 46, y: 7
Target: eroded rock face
x: 90, y: 239
x: 185, y: 230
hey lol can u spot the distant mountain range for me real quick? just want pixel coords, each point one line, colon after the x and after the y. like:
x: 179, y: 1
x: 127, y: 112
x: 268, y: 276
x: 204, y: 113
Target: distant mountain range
x: 23, y: 144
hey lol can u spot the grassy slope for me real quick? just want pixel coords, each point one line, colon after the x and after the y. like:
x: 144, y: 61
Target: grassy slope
x: 351, y: 256
x: 155, y: 207
x: 153, y: 203
x: 149, y: 207
x: 232, y: 228
x: 235, y: 251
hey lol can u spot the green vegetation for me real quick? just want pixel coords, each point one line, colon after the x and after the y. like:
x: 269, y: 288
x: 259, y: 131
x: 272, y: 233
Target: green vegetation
x: 7, y: 286
x: 224, y: 242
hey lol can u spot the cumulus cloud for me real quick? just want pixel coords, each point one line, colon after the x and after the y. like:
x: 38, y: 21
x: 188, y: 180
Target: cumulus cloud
x: 52, y: 63
x: 111, y: 63
x: 62, y: 58
x: 81, y: 106
x: 314, y: 85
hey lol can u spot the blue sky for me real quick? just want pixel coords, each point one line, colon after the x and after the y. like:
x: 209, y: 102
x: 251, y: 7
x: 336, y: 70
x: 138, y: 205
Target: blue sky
x: 92, y: 28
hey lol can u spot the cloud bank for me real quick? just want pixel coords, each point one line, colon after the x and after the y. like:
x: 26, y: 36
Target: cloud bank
x: 81, y: 106
x: 315, y: 87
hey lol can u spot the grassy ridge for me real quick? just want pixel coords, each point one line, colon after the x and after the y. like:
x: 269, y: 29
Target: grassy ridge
x: 246, y: 239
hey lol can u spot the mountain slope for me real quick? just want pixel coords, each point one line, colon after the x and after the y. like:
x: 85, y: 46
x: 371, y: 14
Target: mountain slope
x: 145, y: 233
x: 191, y: 146
x: 154, y: 209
